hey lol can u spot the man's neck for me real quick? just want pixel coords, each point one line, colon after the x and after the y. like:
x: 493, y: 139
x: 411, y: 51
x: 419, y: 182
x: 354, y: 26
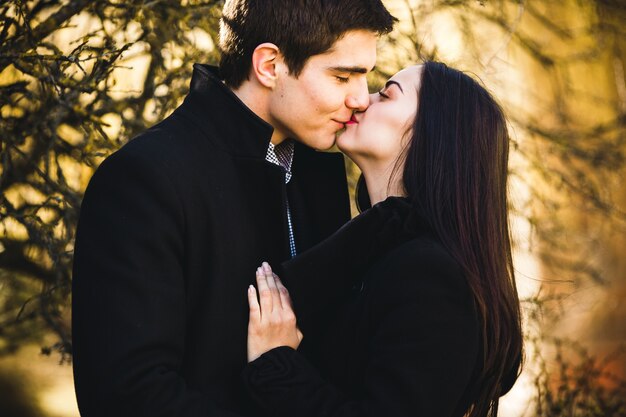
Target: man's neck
x: 257, y: 102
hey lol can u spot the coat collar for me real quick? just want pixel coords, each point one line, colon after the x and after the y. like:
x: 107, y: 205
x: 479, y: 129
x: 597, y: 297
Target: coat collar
x: 335, y: 265
x: 223, y: 117
x: 320, y: 204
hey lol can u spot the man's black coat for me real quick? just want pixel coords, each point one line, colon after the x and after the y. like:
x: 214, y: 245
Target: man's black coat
x: 171, y: 231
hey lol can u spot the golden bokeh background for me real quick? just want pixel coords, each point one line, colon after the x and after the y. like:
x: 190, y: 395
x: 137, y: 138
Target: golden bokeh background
x: 79, y: 78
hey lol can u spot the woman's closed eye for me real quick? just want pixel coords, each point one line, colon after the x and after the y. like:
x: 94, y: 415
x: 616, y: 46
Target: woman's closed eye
x: 383, y: 94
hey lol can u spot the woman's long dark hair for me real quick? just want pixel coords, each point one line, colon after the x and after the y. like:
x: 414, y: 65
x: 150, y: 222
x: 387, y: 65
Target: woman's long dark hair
x: 455, y: 173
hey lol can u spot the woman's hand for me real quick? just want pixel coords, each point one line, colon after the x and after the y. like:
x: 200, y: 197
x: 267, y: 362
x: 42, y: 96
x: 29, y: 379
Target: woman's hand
x: 272, y: 320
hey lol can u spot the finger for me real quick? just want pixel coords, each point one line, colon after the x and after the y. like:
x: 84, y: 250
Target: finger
x: 264, y: 293
x: 253, y: 303
x: 300, y: 335
x: 285, y: 298
x: 271, y: 283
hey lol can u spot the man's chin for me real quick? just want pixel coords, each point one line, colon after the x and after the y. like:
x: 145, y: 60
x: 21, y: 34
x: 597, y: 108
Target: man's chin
x: 320, y: 145
x: 331, y: 146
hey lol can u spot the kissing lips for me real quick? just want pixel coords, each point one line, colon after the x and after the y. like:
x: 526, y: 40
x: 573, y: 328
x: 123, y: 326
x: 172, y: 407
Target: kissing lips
x: 353, y: 120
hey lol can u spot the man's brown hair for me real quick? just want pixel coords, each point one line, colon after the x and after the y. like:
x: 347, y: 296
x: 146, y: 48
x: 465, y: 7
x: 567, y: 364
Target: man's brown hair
x: 299, y: 28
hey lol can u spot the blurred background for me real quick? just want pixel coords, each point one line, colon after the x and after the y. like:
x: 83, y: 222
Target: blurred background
x: 80, y: 78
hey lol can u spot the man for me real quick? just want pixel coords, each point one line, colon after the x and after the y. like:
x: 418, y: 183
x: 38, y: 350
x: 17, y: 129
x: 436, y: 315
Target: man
x: 174, y: 224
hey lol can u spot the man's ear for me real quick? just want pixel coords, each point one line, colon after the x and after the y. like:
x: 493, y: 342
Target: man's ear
x: 264, y: 64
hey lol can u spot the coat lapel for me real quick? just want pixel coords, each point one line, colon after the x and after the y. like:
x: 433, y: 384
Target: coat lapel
x: 261, y: 183
x: 318, y: 195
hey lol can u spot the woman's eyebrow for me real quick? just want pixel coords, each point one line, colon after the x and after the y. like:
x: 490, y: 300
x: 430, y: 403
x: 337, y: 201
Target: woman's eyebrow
x: 390, y: 82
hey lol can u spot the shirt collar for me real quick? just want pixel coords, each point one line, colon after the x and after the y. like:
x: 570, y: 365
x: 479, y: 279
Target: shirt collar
x: 281, y: 155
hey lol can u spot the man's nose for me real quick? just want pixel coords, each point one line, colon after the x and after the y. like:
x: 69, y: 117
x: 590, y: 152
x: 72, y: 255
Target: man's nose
x: 359, y: 98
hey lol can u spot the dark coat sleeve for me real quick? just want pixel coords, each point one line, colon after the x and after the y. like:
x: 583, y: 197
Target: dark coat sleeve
x: 421, y: 354
x: 128, y: 295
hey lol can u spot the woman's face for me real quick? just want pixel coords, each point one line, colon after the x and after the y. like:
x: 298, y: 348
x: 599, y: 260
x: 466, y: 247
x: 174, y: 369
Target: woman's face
x: 377, y: 136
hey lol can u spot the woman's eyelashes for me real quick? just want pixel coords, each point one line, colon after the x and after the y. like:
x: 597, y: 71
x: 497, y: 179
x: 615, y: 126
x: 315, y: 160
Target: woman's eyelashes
x: 383, y: 94
x: 342, y: 79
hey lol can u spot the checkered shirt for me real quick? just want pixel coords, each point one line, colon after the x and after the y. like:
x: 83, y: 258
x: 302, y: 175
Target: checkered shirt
x: 282, y: 155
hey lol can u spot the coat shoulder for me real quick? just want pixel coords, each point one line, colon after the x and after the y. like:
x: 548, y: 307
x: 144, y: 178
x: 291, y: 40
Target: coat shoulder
x: 172, y: 140
x: 171, y: 149
x: 423, y: 255
x: 418, y: 269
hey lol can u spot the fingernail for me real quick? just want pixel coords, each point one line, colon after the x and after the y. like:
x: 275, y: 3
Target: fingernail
x: 266, y: 266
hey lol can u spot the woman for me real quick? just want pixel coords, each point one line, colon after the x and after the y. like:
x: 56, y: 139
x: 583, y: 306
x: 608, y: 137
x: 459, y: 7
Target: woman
x: 411, y: 308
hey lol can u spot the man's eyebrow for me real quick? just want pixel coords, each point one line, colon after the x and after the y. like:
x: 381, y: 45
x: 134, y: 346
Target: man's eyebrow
x: 390, y: 82
x: 359, y: 70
